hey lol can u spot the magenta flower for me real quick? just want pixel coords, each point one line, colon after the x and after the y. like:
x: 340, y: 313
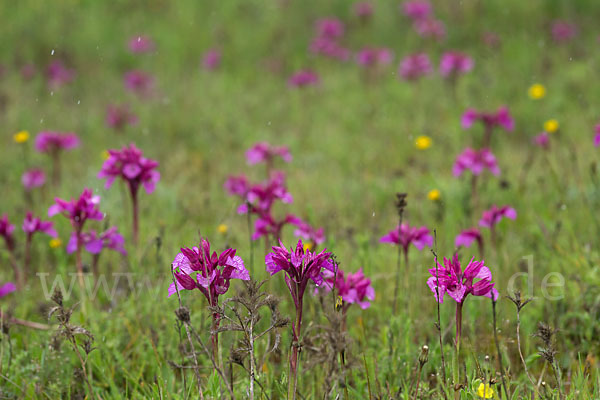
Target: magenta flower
x: 305, y: 231
x: 369, y: 57
x: 363, y: 9
x: 542, y: 140
x: 303, y: 78
x: 197, y: 268
x: 267, y: 226
x: 331, y: 28
x: 299, y: 267
x: 211, y: 60
x: 32, y: 225
x: 414, y: 66
x: 597, y: 136
x: 491, y: 217
x: 458, y: 284
x: 93, y: 243
x: 261, y: 196
x: 353, y: 288
x: 467, y: 237
x: 500, y: 118
x: 139, y: 82
x: 407, y: 235
x: 141, y: 44
x: 430, y: 28
x: 33, y: 178
x: 7, y: 288
x: 417, y: 9
x: 58, y: 75
x: 6, y: 231
x: 329, y: 47
x: 237, y: 186
x: 475, y: 161
x: 264, y: 152
x: 454, y: 63
x: 563, y: 31
x: 53, y: 142
x: 119, y: 116
x: 130, y: 165
x: 78, y: 212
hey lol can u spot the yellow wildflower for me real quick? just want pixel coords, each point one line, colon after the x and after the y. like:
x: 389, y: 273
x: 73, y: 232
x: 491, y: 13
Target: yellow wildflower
x: 485, y: 391
x: 551, y: 126
x: 308, y: 246
x: 537, y: 91
x: 222, y: 229
x: 105, y: 155
x: 434, y: 195
x: 423, y: 142
x: 21, y: 137
x: 55, y: 243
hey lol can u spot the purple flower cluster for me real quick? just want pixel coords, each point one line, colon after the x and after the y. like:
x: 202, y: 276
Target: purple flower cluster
x: 424, y: 23
x: 141, y: 44
x: 475, y: 161
x: 33, y: 178
x: 130, y: 165
x: 495, y: 214
x: 7, y: 288
x: 119, y: 116
x: 58, y: 74
x: 197, y: 268
x: 6, y: 231
x: 139, y: 82
x: 326, y: 42
x: 303, y: 78
x: 211, y: 60
x: 32, y: 225
x: 454, y: 63
x: 407, y: 235
x: 372, y: 57
x: 94, y: 243
x: 415, y: 66
x: 53, y: 142
x: 78, y: 211
x: 500, y: 118
x: 354, y: 288
x: 264, y: 152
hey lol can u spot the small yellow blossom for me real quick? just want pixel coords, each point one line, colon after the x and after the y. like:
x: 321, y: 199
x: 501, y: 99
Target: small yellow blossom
x: 105, y: 155
x: 265, y: 368
x: 55, y: 243
x: 21, y: 137
x: 339, y: 302
x: 485, y: 391
x: 308, y: 246
x: 551, y: 126
x: 423, y: 142
x: 537, y: 91
x: 222, y: 229
x: 434, y: 195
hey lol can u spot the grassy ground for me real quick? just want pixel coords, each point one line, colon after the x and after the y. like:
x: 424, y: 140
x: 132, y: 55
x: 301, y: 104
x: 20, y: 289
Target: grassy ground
x: 352, y: 140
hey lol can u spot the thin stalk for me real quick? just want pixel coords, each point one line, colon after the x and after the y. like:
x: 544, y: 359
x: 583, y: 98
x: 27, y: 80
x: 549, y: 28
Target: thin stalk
x: 78, y: 260
x: 134, y: 201
x: 250, y: 241
x: 294, y: 351
x: 458, y: 317
x: 56, y: 167
x: 398, y: 273
x: 27, y: 257
x: 498, y: 349
x: 252, y: 366
x: 439, y: 322
x: 19, y: 277
x: 521, y: 352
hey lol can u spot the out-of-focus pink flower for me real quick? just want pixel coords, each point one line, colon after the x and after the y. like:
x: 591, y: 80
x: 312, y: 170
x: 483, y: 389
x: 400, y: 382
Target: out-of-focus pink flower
x: 141, y: 44
x: 58, y: 75
x: 363, y: 9
x: 542, y: 140
x: 78, y: 211
x: 417, y: 9
x: 329, y: 47
x: 6, y: 231
x: 237, y: 186
x: 331, y: 28
x: 495, y: 214
x: 305, y: 231
x: 354, y: 288
x: 500, y: 118
x: 33, y: 178
x: 563, y: 31
x: 407, y: 235
x: 430, y: 28
x: 94, y: 243
x: 467, y: 237
x: 475, y: 161
x: 7, y: 288
x: 369, y: 57
x: 28, y: 71
x: 33, y: 224
x: 455, y: 63
x: 118, y: 116
x: 211, y: 60
x: 597, y: 136
x: 130, y: 165
x: 264, y: 152
x: 139, y: 82
x: 52, y: 142
x: 303, y: 78
x: 414, y: 66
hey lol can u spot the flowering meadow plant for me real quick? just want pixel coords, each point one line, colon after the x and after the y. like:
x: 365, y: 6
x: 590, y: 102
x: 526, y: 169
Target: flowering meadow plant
x: 263, y: 152
x: 353, y: 288
x: 33, y: 178
x: 475, y: 161
x: 141, y: 44
x: 406, y: 235
x: 7, y: 289
x: 53, y: 144
x: 415, y: 66
x: 130, y: 165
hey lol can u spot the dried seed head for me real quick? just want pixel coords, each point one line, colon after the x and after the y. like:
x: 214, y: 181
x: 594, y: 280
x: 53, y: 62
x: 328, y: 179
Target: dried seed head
x: 57, y: 297
x: 401, y: 202
x: 183, y: 314
x: 545, y: 333
x: 519, y: 303
x: 424, y: 356
x: 237, y: 356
